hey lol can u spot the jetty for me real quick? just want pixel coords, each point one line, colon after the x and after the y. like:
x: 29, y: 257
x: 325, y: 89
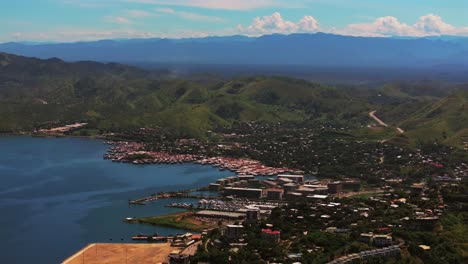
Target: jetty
x: 165, y: 195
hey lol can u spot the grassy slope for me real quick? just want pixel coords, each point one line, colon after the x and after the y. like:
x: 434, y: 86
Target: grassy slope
x: 117, y: 96
x: 445, y: 121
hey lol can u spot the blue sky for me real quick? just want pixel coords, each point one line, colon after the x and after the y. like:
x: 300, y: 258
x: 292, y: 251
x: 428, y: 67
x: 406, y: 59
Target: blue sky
x: 75, y: 20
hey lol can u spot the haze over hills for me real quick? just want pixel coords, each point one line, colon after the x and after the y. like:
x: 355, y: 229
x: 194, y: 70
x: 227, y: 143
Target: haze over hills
x: 116, y: 96
x: 320, y: 49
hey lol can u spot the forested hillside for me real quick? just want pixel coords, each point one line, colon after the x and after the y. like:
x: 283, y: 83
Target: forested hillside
x: 117, y: 96
x: 114, y: 97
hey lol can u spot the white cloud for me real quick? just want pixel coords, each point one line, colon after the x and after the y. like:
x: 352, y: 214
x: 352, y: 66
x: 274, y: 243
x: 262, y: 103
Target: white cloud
x: 225, y: 4
x: 89, y: 3
x: 189, y: 15
x: 118, y: 20
x: 308, y: 24
x: 138, y: 13
x: 276, y: 24
x: 428, y: 25
x: 433, y: 24
x: 382, y: 26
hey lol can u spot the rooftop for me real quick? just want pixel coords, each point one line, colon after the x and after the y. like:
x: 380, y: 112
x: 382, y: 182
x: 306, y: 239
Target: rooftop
x: 270, y: 232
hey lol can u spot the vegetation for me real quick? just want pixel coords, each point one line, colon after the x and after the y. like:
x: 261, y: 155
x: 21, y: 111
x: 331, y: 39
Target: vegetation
x: 177, y: 220
x: 113, y: 97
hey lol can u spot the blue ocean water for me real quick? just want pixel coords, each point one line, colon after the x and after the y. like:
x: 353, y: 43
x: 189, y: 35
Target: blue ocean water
x: 58, y: 194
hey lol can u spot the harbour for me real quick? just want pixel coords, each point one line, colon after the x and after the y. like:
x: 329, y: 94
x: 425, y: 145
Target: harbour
x: 74, y: 197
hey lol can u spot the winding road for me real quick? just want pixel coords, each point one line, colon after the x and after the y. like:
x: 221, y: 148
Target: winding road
x: 382, y: 123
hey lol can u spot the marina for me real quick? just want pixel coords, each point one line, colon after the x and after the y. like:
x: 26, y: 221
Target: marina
x: 167, y: 195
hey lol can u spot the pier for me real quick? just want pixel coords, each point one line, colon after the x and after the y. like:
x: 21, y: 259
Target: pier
x: 182, y: 194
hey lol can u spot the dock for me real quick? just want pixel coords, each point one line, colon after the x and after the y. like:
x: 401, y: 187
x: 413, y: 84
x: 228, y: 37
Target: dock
x: 181, y: 194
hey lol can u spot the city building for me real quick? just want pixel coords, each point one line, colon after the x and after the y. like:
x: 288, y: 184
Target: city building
x: 274, y: 194
x: 246, y: 177
x: 215, y: 186
x: 243, y: 192
x: 352, y: 185
x: 382, y: 240
x: 317, y: 197
x: 293, y: 196
x: 366, y: 238
x: 290, y: 187
x: 425, y: 222
x: 176, y: 258
x: 234, y: 231
x: 271, y: 235
x: 284, y: 181
x: 417, y: 189
x: 294, y: 178
x: 252, y: 216
x: 222, y: 182
x: 335, y: 187
x: 364, y: 256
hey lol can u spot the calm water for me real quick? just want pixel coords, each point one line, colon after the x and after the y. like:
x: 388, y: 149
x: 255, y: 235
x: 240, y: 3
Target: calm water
x: 58, y: 194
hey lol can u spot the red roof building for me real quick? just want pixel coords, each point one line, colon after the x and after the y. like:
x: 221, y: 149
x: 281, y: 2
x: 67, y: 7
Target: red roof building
x: 271, y: 235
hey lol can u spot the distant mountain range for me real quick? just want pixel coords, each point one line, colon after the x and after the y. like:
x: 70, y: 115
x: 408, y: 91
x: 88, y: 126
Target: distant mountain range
x: 317, y: 50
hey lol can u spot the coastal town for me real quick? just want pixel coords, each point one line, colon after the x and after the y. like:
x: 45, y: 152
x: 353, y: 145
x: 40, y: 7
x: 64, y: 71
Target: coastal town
x: 369, y: 199
x: 297, y: 213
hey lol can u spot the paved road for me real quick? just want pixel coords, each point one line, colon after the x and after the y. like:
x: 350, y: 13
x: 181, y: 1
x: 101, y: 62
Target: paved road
x: 192, y: 249
x: 382, y: 123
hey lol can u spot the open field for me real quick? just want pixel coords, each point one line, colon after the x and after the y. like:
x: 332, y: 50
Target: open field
x: 122, y: 253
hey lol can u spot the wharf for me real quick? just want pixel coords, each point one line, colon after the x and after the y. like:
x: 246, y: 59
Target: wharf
x: 164, y: 195
x: 152, y: 238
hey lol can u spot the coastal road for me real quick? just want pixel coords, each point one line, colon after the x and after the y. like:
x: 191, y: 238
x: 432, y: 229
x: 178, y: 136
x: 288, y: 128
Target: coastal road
x: 192, y: 249
x: 382, y: 123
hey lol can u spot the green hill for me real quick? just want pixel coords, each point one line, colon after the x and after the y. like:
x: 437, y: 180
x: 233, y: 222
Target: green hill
x: 34, y: 91
x: 445, y: 120
x: 114, y: 96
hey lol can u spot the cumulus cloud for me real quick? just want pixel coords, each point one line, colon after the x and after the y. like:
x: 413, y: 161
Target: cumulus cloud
x: 428, y: 25
x: 189, y: 15
x: 276, y: 24
x: 432, y: 24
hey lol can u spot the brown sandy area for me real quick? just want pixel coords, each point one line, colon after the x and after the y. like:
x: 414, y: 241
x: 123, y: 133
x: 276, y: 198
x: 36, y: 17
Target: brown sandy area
x: 122, y: 253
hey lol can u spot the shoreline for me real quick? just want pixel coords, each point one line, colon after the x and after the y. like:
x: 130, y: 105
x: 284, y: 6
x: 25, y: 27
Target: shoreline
x: 133, y: 152
x: 103, y: 137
